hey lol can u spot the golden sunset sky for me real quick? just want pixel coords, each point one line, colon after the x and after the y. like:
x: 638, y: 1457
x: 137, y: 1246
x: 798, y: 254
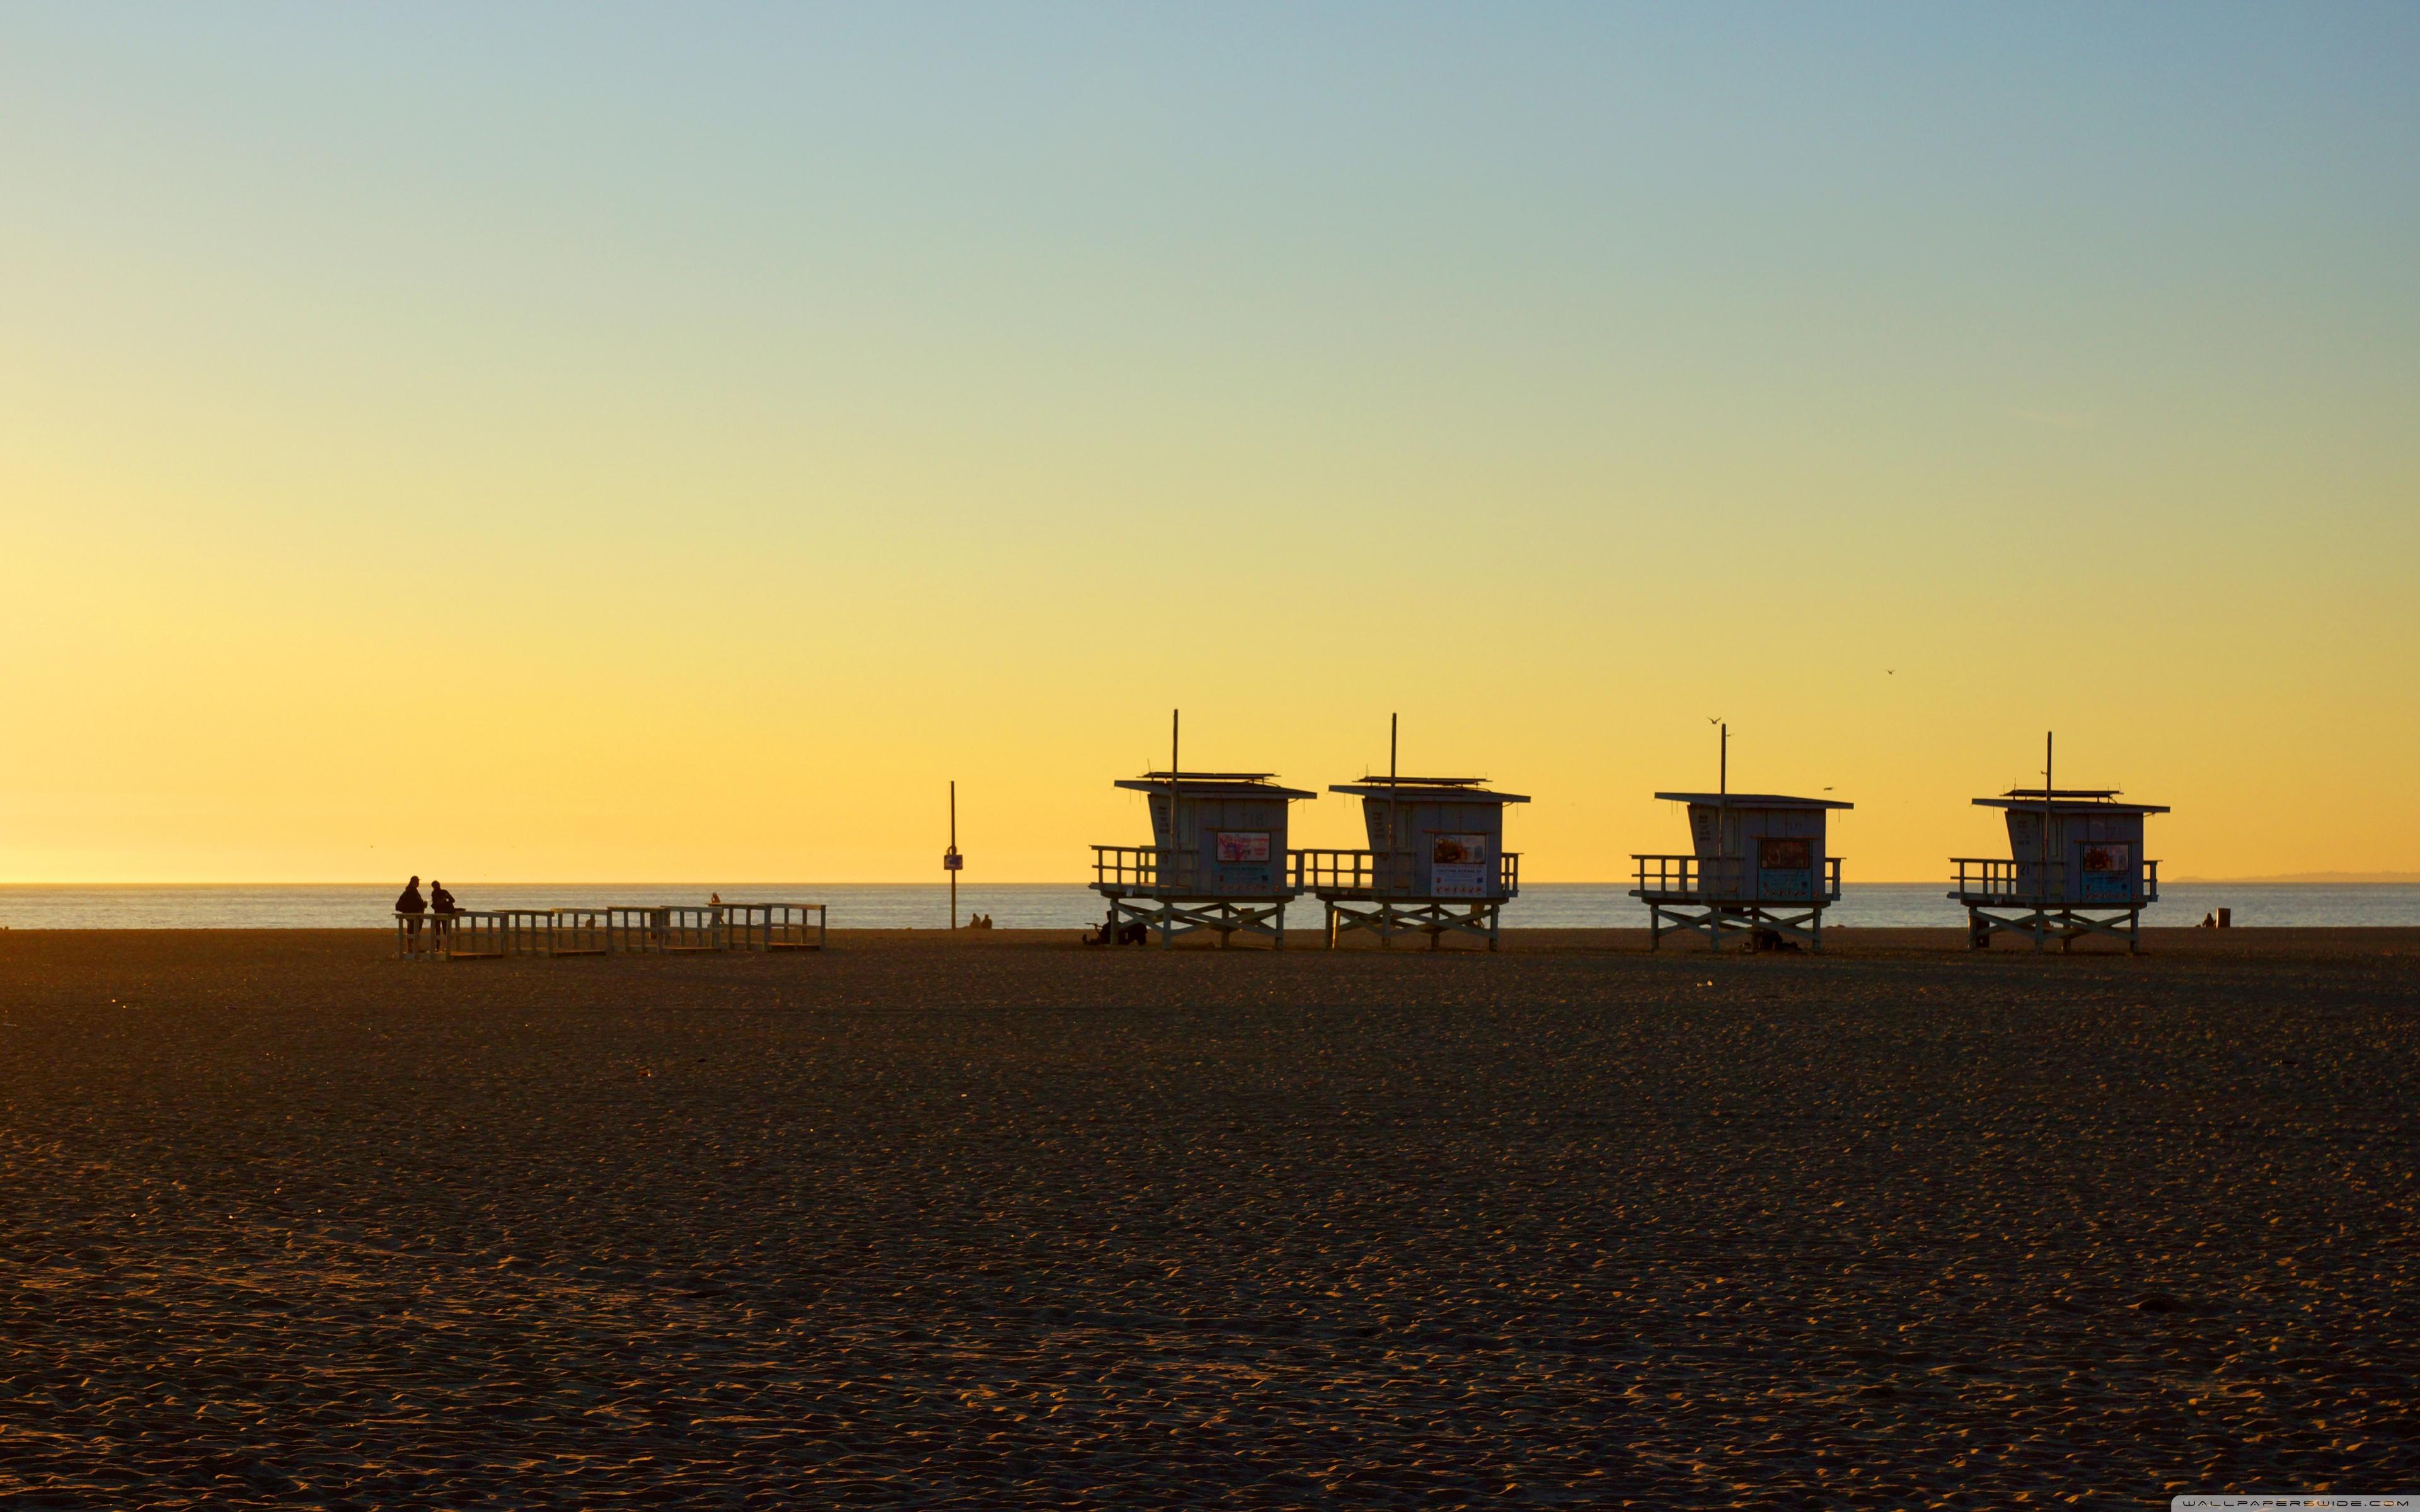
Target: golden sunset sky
x: 611, y: 443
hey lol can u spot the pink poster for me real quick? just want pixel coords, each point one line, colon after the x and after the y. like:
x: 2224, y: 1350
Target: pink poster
x: 1243, y: 846
x: 2108, y: 858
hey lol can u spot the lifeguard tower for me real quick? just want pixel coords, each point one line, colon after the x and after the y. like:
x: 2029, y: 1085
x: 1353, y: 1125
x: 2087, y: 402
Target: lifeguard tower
x: 1218, y: 859
x: 2091, y: 878
x: 1758, y: 865
x: 1437, y: 863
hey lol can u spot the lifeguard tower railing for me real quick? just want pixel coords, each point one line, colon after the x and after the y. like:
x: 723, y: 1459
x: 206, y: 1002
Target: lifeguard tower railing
x: 1727, y: 879
x: 1379, y: 874
x: 1146, y: 869
x: 1991, y: 882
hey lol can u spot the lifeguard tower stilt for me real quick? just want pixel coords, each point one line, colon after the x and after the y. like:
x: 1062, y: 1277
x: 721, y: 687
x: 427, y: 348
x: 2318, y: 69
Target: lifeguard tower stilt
x: 1218, y: 860
x: 1757, y: 867
x: 1436, y: 866
x: 2075, y: 867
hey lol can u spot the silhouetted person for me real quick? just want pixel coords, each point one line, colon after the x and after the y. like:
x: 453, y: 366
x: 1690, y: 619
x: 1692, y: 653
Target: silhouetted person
x: 441, y: 903
x: 412, y: 906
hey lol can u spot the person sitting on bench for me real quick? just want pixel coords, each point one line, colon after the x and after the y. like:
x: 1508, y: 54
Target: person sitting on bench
x: 412, y: 906
x: 1111, y: 933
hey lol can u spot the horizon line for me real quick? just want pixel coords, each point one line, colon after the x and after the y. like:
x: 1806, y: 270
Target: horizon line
x: 2344, y: 878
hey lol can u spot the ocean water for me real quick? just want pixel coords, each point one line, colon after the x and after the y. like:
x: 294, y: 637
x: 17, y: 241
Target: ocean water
x: 1062, y: 905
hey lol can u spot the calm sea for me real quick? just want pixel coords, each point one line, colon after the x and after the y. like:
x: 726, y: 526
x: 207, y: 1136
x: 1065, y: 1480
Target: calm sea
x: 1054, y: 905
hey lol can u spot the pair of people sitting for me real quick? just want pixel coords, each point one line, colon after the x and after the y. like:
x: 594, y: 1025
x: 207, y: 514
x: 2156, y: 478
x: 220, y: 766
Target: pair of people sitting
x: 412, y: 906
x: 978, y: 921
x: 1108, y: 932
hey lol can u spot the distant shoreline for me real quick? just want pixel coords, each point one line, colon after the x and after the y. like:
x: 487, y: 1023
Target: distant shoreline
x: 373, y: 945
x: 1059, y: 905
x: 2309, y: 879
x: 2291, y: 879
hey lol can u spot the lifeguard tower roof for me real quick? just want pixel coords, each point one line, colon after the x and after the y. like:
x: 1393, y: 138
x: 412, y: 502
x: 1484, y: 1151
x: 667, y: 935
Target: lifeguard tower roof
x: 1757, y: 800
x: 1214, y: 786
x: 1427, y: 790
x: 2069, y: 801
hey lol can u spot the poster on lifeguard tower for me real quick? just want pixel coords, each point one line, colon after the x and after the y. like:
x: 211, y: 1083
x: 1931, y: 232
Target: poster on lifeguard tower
x: 2108, y: 873
x: 1243, y: 846
x: 1240, y: 861
x: 1458, y: 866
x: 1785, y: 869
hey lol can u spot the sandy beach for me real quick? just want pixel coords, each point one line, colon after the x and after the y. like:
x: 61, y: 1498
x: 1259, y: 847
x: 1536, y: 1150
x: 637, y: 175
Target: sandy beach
x: 996, y: 1220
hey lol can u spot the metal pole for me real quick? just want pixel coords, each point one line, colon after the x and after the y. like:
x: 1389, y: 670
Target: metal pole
x: 2049, y: 784
x: 1394, y: 809
x: 954, y: 851
x: 1175, y: 765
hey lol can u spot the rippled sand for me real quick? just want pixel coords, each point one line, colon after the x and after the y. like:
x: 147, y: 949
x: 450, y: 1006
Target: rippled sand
x: 1001, y: 1222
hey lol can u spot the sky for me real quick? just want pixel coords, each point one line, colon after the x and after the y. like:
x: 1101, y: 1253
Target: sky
x: 632, y: 442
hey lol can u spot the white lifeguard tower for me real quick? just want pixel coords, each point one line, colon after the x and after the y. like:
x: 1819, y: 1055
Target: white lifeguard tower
x: 1437, y: 863
x: 1217, y: 858
x: 1758, y: 865
x: 2090, y: 878
x: 1436, y: 860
